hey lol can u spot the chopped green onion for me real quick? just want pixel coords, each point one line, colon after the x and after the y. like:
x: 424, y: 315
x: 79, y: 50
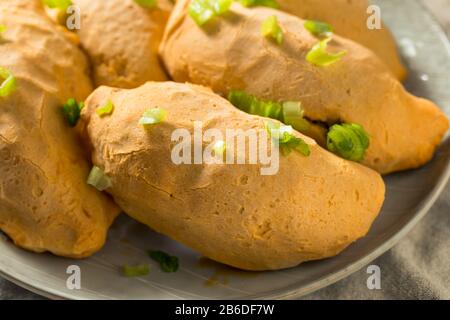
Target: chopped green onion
x: 319, y: 56
x: 219, y: 148
x: 58, y: 4
x: 2, y: 28
x: 204, y: 10
x: 147, y: 3
x: 71, y: 110
x: 106, y: 109
x: 289, y: 112
x: 201, y: 12
x: 293, y: 115
x: 318, y: 28
x: 262, y: 3
x: 136, y: 271
x: 271, y: 29
x: 153, y: 116
x: 286, y: 139
x: 348, y: 140
x: 253, y: 105
x: 167, y: 262
x: 295, y: 144
x: 279, y: 132
x: 9, y: 83
x: 98, y: 179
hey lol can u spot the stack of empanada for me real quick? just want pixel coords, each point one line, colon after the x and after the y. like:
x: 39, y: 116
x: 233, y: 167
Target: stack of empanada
x: 333, y: 80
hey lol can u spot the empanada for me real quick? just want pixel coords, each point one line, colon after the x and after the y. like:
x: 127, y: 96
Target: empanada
x: 230, y: 53
x: 45, y: 203
x: 313, y: 208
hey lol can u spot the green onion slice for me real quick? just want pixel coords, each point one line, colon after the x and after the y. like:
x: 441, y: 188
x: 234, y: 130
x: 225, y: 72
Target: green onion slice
x: 270, y: 28
x: 146, y: 3
x: 219, y: 148
x: 319, y: 56
x: 286, y: 139
x: 204, y: 10
x: 98, y: 179
x: 153, y: 116
x: 71, y: 110
x: 9, y: 83
x: 262, y: 3
x: 293, y: 115
x: 279, y: 132
x: 2, y: 28
x: 136, y: 271
x: 253, y: 105
x: 167, y: 262
x: 318, y: 28
x: 106, y: 109
x: 348, y: 140
x: 58, y: 4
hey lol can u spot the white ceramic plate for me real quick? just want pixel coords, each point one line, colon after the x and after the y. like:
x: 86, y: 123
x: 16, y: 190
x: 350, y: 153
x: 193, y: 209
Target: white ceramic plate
x: 409, y: 196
